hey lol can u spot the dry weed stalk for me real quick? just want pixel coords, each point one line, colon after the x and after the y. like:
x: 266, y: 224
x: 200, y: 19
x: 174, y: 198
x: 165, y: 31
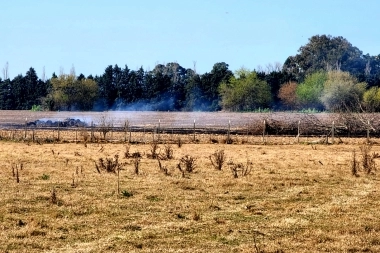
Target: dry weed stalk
x: 126, y: 153
x: 368, y: 158
x: 179, y: 142
x: 168, y: 152
x: 217, y: 159
x: 53, y: 197
x: 181, y: 170
x: 136, y: 164
x: 17, y: 176
x: 15, y: 171
x: 163, y: 168
x: 354, y: 164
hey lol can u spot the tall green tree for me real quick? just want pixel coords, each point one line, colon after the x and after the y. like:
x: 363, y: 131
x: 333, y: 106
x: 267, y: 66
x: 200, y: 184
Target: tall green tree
x: 107, y: 89
x: 310, y: 91
x: 6, y: 95
x: 324, y: 52
x: 69, y: 93
x: 371, y: 99
x: 245, y: 92
x: 342, y: 92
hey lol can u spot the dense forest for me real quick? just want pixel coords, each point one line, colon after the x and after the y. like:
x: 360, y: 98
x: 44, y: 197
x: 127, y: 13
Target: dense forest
x: 328, y: 73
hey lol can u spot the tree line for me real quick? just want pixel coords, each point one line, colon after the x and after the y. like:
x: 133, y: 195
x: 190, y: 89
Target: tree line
x: 327, y: 73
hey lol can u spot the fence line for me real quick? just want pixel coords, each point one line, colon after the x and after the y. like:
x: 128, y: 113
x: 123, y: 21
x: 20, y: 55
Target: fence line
x: 251, y: 132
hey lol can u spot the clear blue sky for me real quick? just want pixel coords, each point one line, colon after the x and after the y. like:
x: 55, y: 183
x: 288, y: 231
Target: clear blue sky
x: 92, y: 34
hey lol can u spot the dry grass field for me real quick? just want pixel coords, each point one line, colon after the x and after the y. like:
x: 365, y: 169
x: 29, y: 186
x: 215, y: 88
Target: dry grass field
x: 287, y: 198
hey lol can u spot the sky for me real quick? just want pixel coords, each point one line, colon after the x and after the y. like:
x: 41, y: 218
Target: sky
x: 90, y: 35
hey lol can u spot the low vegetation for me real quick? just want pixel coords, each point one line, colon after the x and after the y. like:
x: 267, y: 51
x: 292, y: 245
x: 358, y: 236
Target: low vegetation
x: 264, y: 198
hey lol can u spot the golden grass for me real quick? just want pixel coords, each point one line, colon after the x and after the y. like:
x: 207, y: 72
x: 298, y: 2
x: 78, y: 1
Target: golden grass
x: 297, y: 198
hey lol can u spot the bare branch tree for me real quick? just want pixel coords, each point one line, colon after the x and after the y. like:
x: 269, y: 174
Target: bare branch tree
x: 5, y: 71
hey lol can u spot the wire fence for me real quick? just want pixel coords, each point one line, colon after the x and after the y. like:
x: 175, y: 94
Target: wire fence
x: 303, y: 129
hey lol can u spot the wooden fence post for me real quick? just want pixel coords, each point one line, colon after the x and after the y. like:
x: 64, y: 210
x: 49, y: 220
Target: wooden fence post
x: 229, y: 130
x: 194, y: 132
x: 247, y: 131
x: 26, y: 125
x: 158, y: 130
x: 368, y: 132
x: 125, y: 131
x: 264, y: 128
x: 92, y: 131
x: 154, y: 130
x: 298, y: 132
x: 144, y: 140
x: 58, y: 131
x: 130, y: 134
x: 332, y: 132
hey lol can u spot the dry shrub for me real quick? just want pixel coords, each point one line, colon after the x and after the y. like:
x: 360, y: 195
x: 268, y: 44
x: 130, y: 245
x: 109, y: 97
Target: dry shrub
x: 127, y: 153
x: 154, y: 151
x: 217, y: 159
x: 240, y: 169
x: 168, y: 152
x: 188, y: 162
x: 368, y: 158
x: 108, y: 164
x: 105, y: 126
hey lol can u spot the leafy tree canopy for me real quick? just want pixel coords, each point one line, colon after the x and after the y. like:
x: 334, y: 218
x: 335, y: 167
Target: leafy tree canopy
x: 324, y: 52
x: 309, y: 92
x: 245, y: 92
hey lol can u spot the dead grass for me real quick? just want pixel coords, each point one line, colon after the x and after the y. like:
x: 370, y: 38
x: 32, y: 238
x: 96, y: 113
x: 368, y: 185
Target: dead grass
x: 296, y: 199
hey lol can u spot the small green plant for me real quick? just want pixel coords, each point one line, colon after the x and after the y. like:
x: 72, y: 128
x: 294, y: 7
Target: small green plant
x: 262, y: 110
x: 309, y: 110
x: 45, y: 177
x: 126, y: 193
x: 36, y: 108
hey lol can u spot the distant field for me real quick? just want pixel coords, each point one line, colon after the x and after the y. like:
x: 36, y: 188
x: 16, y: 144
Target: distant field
x: 136, y: 118
x: 295, y: 198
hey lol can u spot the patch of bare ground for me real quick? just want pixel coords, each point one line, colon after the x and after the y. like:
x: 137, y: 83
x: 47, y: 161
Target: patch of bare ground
x: 285, y: 198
